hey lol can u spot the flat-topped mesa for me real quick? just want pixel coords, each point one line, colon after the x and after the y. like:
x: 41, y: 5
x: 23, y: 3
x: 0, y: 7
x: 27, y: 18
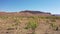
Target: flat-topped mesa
x: 36, y: 13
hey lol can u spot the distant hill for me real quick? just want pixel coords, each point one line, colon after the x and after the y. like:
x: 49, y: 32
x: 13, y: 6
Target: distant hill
x: 26, y: 12
x: 29, y: 13
x: 35, y: 12
x: 56, y: 15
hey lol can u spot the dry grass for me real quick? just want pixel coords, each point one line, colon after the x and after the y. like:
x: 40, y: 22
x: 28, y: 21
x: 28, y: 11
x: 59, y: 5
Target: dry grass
x: 29, y: 24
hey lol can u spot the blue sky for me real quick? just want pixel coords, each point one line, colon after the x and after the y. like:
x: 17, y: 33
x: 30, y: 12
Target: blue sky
x: 52, y: 6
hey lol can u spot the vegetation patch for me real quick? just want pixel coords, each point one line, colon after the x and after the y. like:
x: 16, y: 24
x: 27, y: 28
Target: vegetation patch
x: 33, y: 25
x: 54, y: 26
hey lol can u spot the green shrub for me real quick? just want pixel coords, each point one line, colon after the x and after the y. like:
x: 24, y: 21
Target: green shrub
x: 54, y: 26
x: 31, y: 25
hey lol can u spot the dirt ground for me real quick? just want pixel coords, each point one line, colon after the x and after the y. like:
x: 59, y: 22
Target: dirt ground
x: 16, y: 24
